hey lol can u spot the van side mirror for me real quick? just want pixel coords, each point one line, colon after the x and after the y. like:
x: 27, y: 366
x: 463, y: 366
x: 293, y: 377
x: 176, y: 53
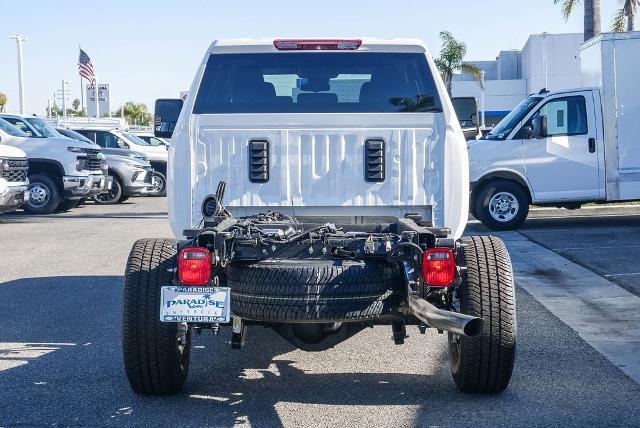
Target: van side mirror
x: 166, y: 116
x: 540, y: 127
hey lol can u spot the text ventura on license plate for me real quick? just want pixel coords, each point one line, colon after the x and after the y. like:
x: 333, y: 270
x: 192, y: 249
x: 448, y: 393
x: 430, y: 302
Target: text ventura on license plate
x: 195, y: 304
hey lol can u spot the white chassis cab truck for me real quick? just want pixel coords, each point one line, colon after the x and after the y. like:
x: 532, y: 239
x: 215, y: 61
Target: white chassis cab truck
x: 316, y: 187
x: 568, y: 147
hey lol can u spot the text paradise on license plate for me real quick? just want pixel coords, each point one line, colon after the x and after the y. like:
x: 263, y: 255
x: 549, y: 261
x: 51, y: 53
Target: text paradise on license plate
x: 195, y: 304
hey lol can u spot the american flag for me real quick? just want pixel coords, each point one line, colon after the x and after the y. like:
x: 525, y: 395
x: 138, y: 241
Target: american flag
x: 85, y: 68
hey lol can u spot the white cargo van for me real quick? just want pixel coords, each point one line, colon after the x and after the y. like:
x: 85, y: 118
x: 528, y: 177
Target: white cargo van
x: 316, y: 187
x: 568, y: 147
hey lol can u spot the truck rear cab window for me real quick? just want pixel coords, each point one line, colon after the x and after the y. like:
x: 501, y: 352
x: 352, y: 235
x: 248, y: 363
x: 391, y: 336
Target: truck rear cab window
x: 317, y: 82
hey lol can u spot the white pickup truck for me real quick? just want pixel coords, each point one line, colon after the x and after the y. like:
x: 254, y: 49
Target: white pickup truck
x: 13, y: 177
x: 565, y: 148
x: 316, y: 187
x: 61, y: 171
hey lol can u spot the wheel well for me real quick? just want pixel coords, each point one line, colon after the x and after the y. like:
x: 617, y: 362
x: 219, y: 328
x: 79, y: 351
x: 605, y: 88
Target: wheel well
x: 160, y: 167
x: 116, y: 175
x: 49, y: 167
x: 496, y: 176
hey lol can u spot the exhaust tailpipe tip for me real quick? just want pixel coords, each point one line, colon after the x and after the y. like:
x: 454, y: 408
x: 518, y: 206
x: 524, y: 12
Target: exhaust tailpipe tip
x: 474, y: 327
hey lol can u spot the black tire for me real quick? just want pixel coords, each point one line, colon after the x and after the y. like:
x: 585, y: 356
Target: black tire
x: 311, y: 290
x: 44, y: 196
x: 514, y: 199
x: 111, y: 196
x: 159, y: 184
x: 484, y: 363
x: 68, y: 204
x: 123, y: 198
x: 156, y: 354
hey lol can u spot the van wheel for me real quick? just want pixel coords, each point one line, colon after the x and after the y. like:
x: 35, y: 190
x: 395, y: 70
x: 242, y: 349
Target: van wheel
x: 44, y: 196
x: 484, y: 363
x: 156, y: 354
x: 502, y: 205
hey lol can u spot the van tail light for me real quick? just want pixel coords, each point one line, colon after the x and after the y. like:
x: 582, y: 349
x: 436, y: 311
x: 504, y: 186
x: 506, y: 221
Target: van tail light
x: 316, y: 45
x: 438, y: 267
x: 194, y: 266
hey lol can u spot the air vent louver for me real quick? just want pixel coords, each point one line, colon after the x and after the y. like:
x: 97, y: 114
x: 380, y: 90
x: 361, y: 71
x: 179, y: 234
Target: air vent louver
x: 259, y: 161
x: 374, y: 161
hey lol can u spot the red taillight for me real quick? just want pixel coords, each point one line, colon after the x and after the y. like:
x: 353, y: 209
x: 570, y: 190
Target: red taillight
x: 316, y: 45
x: 194, y: 266
x: 439, y: 267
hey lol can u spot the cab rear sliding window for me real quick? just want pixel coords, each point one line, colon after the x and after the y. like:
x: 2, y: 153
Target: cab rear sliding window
x: 317, y: 82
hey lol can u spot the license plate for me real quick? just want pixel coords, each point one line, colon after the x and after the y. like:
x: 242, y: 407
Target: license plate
x: 195, y: 304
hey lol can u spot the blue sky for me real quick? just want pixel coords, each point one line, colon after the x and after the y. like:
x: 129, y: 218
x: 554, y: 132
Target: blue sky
x: 150, y: 49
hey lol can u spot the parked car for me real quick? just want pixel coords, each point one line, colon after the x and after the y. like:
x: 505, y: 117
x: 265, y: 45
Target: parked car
x: 61, y: 171
x: 341, y: 200
x: 117, y: 139
x: 131, y: 175
x: 565, y: 148
x: 13, y: 174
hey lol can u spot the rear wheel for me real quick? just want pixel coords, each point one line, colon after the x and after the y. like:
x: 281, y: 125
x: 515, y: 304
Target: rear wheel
x: 44, y: 195
x: 502, y: 205
x: 156, y: 354
x: 484, y: 363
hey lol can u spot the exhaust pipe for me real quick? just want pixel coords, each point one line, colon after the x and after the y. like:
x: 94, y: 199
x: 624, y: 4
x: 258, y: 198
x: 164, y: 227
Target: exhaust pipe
x: 453, y: 322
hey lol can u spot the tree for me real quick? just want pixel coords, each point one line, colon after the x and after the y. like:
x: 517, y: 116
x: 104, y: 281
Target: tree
x: 76, y: 104
x: 136, y: 113
x: 625, y: 17
x: 451, y: 60
x: 591, y: 15
x: 3, y: 102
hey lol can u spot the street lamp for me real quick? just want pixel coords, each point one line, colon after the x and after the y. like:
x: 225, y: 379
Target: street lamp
x: 19, y: 40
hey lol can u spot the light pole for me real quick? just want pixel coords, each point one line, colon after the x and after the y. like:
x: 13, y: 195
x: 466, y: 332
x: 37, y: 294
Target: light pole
x: 19, y: 40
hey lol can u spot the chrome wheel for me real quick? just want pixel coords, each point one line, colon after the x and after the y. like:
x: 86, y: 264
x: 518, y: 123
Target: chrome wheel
x: 39, y: 195
x: 503, y: 207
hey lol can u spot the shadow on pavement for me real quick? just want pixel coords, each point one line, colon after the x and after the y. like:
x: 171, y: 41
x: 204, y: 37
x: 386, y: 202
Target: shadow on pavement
x: 60, y: 348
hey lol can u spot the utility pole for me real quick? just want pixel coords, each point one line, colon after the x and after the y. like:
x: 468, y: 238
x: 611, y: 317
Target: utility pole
x: 482, y: 100
x: 19, y: 40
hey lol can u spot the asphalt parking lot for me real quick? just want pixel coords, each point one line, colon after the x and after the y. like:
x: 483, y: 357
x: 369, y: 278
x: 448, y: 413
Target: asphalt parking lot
x: 60, y: 362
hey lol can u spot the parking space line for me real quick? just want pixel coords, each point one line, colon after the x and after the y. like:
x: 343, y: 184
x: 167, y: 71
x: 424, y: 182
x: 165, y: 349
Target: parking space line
x: 605, y: 316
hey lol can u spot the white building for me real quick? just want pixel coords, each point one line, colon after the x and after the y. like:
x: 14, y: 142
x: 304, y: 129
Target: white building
x: 549, y: 61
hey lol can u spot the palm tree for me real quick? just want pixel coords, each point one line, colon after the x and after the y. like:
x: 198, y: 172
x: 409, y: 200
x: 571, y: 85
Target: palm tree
x: 591, y: 15
x: 625, y: 15
x: 451, y: 60
x: 3, y: 102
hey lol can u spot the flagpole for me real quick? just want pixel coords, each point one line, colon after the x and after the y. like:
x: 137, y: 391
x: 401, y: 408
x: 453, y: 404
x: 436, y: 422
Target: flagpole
x: 81, y: 85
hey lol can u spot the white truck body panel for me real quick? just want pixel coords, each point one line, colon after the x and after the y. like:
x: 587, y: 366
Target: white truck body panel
x: 611, y: 62
x: 317, y: 159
